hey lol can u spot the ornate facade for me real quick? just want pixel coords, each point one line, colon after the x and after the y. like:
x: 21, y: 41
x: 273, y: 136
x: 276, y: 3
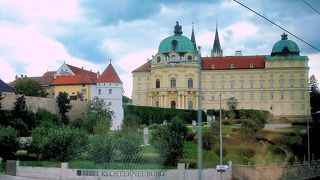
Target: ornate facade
x: 277, y: 83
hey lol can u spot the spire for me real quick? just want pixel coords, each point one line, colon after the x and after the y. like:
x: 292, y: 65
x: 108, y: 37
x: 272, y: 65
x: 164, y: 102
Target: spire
x: 216, y: 50
x: 193, y: 39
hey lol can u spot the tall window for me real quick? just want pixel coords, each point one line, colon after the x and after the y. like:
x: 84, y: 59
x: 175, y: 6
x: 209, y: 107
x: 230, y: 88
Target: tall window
x: 99, y: 91
x: 190, y: 105
x: 190, y: 83
x: 173, y: 83
x: 302, y: 83
x: 158, y: 83
x: 292, y: 95
x: 261, y: 84
x: 271, y: 84
x: 251, y: 84
x: 110, y: 91
x: 281, y: 83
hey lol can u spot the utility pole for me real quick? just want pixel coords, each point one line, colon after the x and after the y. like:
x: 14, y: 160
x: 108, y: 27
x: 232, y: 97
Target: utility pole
x: 220, y: 138
x: 199, y: 163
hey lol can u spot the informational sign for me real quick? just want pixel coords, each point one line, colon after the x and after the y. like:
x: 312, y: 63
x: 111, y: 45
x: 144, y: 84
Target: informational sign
x: 222, y: 168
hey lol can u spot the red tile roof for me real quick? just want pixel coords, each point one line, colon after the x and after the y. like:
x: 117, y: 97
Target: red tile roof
x: 48, y: 74
x: 74, y: 79
x: 109, y: 75
x: 146, y: 67
x: 78, y: 71
x: 239, y: 62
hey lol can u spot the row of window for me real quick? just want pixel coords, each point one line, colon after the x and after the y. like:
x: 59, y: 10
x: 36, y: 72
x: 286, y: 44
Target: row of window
x: 270, y: 75
x: 173, y: 83
x: 271, y: 107
x: 100, y: 91
x: 173, y: 104
x: 282, y: 84
x: 270, y: 96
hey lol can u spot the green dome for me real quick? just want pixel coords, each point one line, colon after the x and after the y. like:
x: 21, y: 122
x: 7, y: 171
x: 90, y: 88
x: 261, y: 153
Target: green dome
x: 285, y: 47
x: 177, y: 43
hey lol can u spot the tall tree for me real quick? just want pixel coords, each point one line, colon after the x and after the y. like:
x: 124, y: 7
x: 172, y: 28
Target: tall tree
x: 64, y: 106
x: 29, y: 87
x: 1, y: 99
x: 314, y: 94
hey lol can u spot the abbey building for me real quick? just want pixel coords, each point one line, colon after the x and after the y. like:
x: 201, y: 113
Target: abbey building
x: 277, y: 82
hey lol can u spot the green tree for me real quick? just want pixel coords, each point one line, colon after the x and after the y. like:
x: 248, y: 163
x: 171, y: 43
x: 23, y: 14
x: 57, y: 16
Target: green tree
x: 98, y: 112
x: 8, y: 142
x: 79, y: 96
x: 30, y: 87
x: 314, y: 94
x: 101, y: 148
x: 126, y: 100
x: 20, y: 106
x: 169, y: 140
x: 63, y: 102
x: 1, y: 99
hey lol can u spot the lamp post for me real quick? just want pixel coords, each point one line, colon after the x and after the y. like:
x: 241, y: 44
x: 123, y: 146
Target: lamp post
x: 308, y: 129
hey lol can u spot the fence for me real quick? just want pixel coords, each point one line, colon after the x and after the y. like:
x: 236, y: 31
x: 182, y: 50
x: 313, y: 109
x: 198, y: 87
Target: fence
x: 286, y: 171
x: 181, y: 173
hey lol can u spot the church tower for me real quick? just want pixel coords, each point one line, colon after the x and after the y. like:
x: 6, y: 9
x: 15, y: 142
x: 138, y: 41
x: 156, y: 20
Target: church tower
x: 193, y: 39
x: 216, y: 50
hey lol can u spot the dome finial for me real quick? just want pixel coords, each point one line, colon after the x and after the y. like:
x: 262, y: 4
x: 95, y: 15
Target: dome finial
x: 284, y: 36
x: 177, y: 29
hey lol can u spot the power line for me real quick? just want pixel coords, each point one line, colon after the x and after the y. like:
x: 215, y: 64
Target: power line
x: 311, y: 7
x: 278, y: 26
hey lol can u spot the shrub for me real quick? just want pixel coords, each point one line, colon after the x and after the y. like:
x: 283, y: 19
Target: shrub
x: 8, y: 142
x: 60, y: 144
x: 276, y: 150
x: 131, y: 120
x: 101, y: 148
x: 128, y: 142
x: 248, y: 152
x: 191, y: 136
x: 207, y: 140
x: 231, y: 114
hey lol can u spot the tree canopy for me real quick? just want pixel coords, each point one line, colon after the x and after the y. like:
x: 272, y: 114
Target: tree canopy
x: 314, y: 94
x: 30, y: 87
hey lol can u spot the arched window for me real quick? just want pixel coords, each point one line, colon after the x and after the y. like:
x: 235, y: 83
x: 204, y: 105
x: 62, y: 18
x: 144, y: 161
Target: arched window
x: 232, y: 66
x: 213, y: 66
x: 173, y: 104
x: 157, y: 103
x: 158, y: 83
x: 173, y: 83
x: 190, y: 83
x: 189, y: 58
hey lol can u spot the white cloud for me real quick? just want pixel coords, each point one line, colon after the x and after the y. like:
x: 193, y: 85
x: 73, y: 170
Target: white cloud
x: 130, y: 62
x: 314, y: 64
x: 7, y: 73
x: 242, y: 30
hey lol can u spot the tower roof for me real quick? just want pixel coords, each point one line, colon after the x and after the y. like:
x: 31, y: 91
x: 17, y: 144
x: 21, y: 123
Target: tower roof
x: 216, y: 50
x: 109, y: 75
x: 285, y: 47
x: 177, y: 42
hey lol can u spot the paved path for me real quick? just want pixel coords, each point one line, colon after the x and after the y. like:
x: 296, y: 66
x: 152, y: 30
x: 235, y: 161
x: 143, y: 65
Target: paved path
x: 275, y: 126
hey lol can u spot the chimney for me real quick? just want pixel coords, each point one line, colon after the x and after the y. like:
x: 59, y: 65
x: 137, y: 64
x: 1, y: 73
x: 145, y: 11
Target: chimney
x: 238, y: 53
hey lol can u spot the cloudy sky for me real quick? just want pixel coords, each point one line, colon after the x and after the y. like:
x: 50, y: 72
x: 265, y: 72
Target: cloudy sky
x: 36, y: 36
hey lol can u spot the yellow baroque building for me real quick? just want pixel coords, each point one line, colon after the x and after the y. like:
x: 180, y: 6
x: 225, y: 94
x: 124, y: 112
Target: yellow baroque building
x: 277, y: 82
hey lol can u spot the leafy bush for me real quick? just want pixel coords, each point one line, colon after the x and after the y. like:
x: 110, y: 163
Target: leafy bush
x: 276, y: 150
x: 101, y: 148
x: 60, y: 144
x: 8, y: 142
x: 131, y: 121
x: 191, y: 136
x: 231, y: 114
